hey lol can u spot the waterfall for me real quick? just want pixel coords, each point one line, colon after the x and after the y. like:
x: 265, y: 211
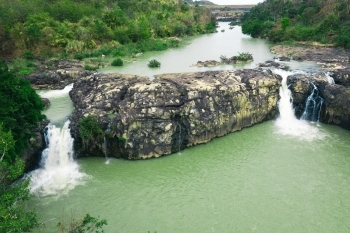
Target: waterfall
x: 58, y: 171
x: 105, y: 143
x: 330, y: 79
x: 180, y: 139
x: 313, y: 106
x: 287, y: 123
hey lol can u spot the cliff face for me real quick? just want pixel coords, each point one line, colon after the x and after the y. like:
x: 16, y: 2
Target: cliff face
x: 145, y: 119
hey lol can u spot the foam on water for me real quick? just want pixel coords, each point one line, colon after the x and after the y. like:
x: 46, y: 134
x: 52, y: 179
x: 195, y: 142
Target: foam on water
x: 287, y: 123
x: 59, y: 172
x: 56, y: 93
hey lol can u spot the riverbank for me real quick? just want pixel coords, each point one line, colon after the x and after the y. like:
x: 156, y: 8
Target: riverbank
x: 329, y: 57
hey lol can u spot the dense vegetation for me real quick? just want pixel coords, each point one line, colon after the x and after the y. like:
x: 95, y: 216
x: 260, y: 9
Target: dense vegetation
x: 44, y: 28
x: 325, y: 21
x: 20, y: 111
x: 20, y: 107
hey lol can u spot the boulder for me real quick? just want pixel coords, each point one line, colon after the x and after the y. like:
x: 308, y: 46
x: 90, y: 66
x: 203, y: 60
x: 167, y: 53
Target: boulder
x: 301, y: 86
x: 337, y: 105
x: 341, y: 76
x: 144, y: 119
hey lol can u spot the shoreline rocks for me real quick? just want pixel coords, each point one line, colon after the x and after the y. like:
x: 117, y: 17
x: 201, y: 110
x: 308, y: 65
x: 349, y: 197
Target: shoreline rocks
x: 57, y: 74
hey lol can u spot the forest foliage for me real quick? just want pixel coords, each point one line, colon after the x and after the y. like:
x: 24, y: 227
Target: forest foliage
x: 20, y: 112
x: 324, y: 21
x: 43, y: 28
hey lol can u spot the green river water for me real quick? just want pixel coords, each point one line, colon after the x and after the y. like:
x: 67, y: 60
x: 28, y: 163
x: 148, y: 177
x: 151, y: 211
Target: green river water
x: 254, y: 180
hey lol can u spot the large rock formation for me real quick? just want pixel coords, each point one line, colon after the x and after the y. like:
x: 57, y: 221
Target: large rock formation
x: 144, y: 119
x: 336, y: 105
x: 32, y: 154
x: 334, y: 61
x: 57, y: 74
x: 302, y: 85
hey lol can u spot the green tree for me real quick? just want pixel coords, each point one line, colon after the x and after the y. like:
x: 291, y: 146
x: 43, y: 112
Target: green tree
x: 13, y: 216
x: 88, y: 224
x: 20, y: 106
x: 285, y: 23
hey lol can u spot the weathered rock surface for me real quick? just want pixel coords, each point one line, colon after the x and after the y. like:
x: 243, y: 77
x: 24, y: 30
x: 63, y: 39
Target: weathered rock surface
x: 32, y: 154
x: 336, y: 105
x: 242, y: 58
x: 341, y: 76
x: 57, y: 74
x: 301, y: 86
x: 153, y: 118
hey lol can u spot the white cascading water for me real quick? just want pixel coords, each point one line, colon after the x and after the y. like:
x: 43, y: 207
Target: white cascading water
x: 105, y: 143
x: 59, y: 172
x: 313, y: 106
x: 330, y: 79
x: 287, y: 123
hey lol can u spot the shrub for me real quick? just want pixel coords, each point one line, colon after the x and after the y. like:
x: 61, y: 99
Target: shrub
x: 79, y: 56
x: 90, y: 130
x: 153, y: 63
x: 117, y: 62
x: 243, y: 57
x: 85, y: 225
x: 23, y: 67
x: 88, y: 67
x: 223, y: 58
x: 28, y: 55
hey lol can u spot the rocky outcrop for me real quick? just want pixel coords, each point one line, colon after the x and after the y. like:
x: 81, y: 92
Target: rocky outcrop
x: 335, y: 62
x: 273, y: 64
x: 302, y: 85
x: 148, y: 119
x: 57, y: 74
x: 32, y: 154
x: 240, y: 59
x: 341, y: 76
x: 335, y: 107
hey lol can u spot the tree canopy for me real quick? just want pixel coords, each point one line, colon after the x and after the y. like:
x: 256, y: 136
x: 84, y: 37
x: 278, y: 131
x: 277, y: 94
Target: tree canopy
x: 20, y: 107
x: 325, y: 21
x: 69, y: 26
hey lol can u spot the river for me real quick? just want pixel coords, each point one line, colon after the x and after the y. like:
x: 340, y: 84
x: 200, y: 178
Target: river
x: 255, y: 180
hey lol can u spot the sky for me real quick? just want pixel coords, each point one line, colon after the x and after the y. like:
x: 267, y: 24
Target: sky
x: 235, y: 2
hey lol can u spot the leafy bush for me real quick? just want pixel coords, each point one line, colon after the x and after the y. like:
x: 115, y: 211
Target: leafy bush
x: 20, y: 106
x: 88, y: 224
x: 153, y: 63
x: 223, y: 58
x: 88, y: 67
x: 243, y: 57
x: 28, y: 55
x: 90, y: 130
x: 13, y: 216
x: 117, y: 62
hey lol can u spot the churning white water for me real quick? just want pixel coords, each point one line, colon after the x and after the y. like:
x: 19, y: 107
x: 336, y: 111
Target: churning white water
x: 287, y: 123
x: 56, y: 93
x: 330, y: 79
x: 58, y: 173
